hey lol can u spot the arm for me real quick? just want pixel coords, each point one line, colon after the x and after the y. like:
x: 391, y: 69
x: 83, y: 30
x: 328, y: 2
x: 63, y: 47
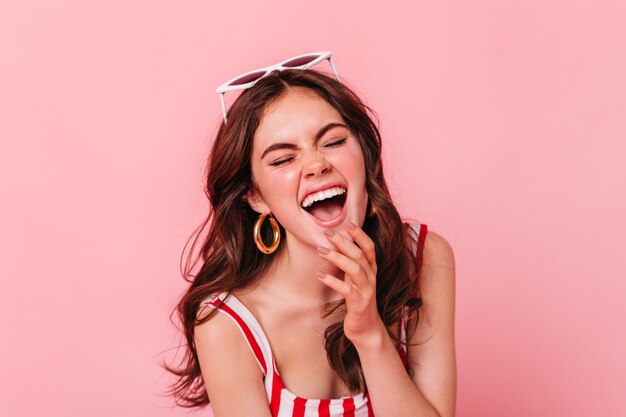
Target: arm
x: 393, y: 393
x: 433, y: 357
x: 229, y: 370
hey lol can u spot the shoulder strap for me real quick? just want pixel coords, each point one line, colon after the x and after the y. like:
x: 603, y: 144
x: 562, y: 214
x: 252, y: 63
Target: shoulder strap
x: 420, y: 229
x: 420, y: 244
x: 250, y: 328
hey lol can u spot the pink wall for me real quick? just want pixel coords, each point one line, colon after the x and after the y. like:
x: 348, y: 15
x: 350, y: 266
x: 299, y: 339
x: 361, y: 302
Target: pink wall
x: 505, y: 131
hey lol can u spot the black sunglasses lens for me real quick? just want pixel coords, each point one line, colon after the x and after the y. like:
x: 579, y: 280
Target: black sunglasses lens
x: 248, y: 78
x: 303, y: 60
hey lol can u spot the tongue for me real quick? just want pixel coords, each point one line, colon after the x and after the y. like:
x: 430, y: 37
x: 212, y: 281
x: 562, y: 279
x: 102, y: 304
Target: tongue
x: 326, y: 210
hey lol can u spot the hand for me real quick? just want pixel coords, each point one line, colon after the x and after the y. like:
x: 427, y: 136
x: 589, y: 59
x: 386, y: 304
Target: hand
x: 362, y: 324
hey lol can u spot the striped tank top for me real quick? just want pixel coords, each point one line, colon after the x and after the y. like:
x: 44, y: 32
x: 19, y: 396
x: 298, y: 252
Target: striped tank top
x: 282, y: 402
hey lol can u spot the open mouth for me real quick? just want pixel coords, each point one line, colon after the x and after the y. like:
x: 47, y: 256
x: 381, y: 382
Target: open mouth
x: 325, y: 205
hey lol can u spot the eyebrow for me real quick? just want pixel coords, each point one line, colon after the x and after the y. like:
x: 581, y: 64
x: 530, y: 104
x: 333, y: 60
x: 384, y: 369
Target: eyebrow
x: 318, y: 136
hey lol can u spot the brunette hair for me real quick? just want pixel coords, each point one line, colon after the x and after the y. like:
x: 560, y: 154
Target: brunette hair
x: 230, y: 259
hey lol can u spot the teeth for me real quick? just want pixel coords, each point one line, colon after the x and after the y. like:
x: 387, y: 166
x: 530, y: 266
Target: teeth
x: 322, y: 195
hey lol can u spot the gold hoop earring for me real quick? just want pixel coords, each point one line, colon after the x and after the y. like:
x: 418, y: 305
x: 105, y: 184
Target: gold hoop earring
x: 258, y: 240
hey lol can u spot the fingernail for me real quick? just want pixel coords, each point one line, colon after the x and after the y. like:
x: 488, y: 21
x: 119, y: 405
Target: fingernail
x: 323, y: 250
x: 329, y: 232
x: 351, y: 225
x: 321, y: 275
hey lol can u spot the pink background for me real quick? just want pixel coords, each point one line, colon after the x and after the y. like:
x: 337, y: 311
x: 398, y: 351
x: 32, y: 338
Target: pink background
x: 505, y: 131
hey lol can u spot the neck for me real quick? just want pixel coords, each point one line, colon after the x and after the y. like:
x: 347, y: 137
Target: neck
x: 294, y: 274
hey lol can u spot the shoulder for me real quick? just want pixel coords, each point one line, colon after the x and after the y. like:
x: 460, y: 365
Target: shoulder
x: 218, y: 330
x: 219, y: 340
x: 434, y: 251
x: 220, y: 336
x: 437, y: 276
x: 436, y: 284
x: 227, y: 365
x: 435, y: 281
x: 438, y: 251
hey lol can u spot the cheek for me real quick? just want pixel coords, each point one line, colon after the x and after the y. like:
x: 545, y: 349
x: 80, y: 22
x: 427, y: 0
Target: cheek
x: 285, y: 180
x: 351, y: 165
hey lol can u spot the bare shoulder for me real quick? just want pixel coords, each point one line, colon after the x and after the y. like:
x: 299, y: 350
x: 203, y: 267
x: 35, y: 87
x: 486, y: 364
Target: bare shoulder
x: 437, y: 251
x: 219, y: 341
x: 437, y: 278
x: 229, y: 368
x: 218, y: 331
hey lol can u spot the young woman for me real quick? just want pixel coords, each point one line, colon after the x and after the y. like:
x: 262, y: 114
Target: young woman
x: 314, y: 298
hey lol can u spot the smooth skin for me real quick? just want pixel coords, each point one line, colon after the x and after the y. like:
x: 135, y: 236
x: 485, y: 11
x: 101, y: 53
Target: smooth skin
x: 288, y: 300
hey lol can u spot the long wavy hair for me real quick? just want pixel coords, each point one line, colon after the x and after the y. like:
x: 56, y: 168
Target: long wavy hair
x: 229, y: 258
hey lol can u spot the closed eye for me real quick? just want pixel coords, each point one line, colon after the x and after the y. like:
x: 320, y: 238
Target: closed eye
x: 281, y: 161
x: 335, y: 143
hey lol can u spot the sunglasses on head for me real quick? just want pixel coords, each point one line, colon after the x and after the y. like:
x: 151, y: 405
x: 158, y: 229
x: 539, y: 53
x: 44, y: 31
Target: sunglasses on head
x: 250, y: 78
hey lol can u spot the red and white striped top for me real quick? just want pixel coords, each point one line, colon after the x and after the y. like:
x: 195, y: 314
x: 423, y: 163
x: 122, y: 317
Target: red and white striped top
x: 282, y: 402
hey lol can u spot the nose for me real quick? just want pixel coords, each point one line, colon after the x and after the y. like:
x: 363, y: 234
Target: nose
x: 314, y: 163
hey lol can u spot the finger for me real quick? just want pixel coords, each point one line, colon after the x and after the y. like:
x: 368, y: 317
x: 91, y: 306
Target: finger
x: 353, y: 270
x: 349, y: 249
x: 365, y: 243
x: 342, y: 287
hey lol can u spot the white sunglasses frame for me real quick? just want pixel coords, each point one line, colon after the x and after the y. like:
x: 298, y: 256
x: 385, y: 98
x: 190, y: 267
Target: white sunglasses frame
x: 226, y: 87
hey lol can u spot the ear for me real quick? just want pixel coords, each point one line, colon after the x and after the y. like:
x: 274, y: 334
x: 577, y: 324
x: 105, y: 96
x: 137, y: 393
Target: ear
x: 255, y: 201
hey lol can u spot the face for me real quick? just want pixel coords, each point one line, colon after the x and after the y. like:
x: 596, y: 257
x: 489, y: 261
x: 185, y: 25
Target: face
x: 308, y: 168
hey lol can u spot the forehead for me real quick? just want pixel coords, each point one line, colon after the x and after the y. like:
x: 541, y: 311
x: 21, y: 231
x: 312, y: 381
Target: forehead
x: 297, y: 114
